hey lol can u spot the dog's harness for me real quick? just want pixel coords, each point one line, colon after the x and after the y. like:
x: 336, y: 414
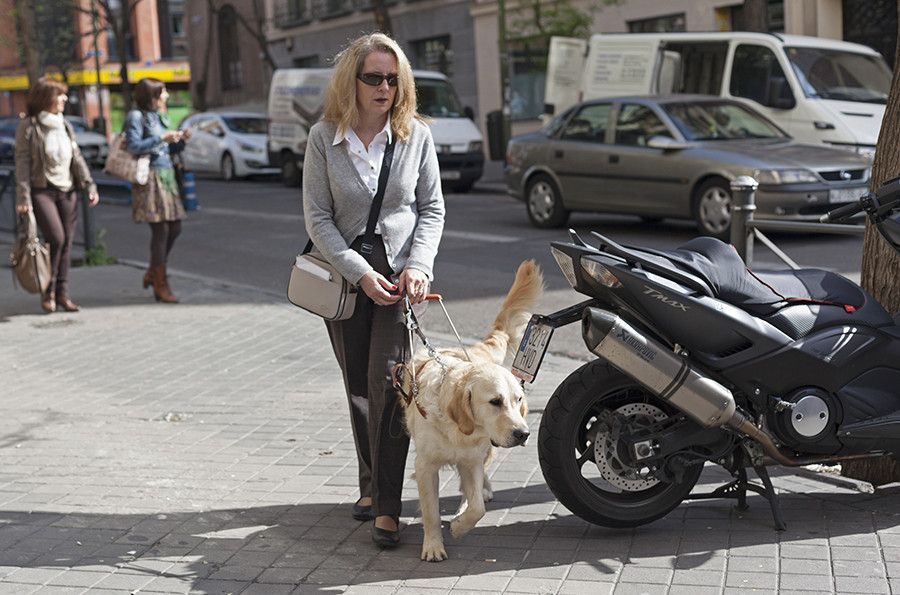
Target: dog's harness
x: 413, y: 329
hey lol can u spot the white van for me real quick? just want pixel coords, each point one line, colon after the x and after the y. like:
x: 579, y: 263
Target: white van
x: 818, y: 90
x: 296, y: 102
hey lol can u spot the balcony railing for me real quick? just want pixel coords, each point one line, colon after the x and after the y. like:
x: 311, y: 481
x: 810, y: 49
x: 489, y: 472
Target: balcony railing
x: 291, y: 13
x: 294, y: 13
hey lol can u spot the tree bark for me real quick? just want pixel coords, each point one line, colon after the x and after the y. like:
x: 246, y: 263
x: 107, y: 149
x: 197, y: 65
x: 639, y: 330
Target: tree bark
x: 30, y: 45
x: 880, y: 264
x: 200, y: 103
x: 382, y: 18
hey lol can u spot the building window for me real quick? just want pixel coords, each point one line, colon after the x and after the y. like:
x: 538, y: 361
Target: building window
x: 112, y: 42
x: 774, y: 17
x: 229, y: 52
x: 672, y: 22
x: 307, y: 62
x: 434, y: 54
x: 528, y: 76
x: 177, y: 24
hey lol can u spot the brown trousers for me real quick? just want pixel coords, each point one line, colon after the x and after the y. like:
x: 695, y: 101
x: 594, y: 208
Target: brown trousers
x: 367, y: 346
x: 55, y: 211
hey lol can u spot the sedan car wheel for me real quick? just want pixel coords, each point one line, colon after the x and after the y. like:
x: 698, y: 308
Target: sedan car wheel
x: 712, y: 208
x: 545, y: 208
x: 227, y: 167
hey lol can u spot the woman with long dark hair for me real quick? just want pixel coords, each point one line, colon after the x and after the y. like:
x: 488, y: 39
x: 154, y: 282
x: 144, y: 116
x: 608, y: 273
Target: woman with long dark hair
x: 157, y: 202
x: 49, y: 170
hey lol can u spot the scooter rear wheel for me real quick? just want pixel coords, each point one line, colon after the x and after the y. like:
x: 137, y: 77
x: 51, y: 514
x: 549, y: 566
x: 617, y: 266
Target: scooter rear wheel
x: 579, y: 460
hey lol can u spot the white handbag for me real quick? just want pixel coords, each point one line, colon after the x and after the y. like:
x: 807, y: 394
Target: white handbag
x: 122, y: 164
x: 315, y: 285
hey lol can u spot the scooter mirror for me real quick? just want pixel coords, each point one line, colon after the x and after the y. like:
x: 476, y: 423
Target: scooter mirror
x: 890, y: 229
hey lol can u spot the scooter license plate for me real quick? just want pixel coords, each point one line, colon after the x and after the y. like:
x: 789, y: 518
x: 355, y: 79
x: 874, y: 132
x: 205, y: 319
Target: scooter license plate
x: 532, y: 349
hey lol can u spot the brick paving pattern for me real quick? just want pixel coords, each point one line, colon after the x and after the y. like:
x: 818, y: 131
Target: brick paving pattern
x: 205, y: 448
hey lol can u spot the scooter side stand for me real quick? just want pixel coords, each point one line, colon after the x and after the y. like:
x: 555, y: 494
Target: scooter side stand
x: 737, y: 489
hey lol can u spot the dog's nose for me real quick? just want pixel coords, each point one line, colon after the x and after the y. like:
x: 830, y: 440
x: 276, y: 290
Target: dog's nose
x: 520, y: 436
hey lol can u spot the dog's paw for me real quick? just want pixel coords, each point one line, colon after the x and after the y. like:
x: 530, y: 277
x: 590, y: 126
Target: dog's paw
x: 487, y: 493
x: 433, y: 551
x: 460, y: 526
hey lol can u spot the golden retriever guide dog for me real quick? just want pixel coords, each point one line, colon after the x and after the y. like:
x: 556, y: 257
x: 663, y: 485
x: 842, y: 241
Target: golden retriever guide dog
x: 465, y: 408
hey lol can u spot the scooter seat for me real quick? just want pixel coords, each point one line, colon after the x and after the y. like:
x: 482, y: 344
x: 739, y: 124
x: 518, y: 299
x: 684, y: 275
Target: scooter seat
x: 795, y: 301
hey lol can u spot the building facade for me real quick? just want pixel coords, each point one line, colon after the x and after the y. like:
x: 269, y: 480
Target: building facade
x: 435, y: 35
x: 156, y: 48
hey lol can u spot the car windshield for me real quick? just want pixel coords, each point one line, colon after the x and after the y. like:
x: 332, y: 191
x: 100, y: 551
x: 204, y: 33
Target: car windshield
x: 8, y: 126
x: 719, y: 121
x: 436, y: 98
x: 245, y: 125
x: 847, y: 76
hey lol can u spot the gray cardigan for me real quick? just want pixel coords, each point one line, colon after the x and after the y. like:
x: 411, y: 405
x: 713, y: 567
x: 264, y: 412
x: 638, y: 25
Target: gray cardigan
x: 336, y: 202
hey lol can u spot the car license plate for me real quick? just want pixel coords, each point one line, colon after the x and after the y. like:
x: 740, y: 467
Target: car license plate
x: 839, y: 195
x: 450, y: 175
x: 532, y: 349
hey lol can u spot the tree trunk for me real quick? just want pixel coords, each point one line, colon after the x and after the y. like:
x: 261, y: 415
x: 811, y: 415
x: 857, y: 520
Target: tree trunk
x: 123, y: 32
x: 382, y: 18
x: 200, y: 100
x: 756, y: 15
x: 30, y: 45
x: 881, y: 265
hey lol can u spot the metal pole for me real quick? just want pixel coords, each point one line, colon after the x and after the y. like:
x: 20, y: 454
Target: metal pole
x: 743, y: 203
x: 87, y: 221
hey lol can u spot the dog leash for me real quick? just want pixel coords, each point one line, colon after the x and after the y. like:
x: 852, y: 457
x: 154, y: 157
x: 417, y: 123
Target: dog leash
x: 413, y: 329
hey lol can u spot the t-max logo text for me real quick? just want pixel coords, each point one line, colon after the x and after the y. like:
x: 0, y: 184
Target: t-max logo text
x: 666, y: 300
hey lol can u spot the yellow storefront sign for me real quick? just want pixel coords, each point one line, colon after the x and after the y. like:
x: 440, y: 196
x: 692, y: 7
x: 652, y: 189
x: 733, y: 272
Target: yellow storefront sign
x: 109, y: 75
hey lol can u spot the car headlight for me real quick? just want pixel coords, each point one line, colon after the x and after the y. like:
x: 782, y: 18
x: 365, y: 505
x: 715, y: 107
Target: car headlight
x: 476, y: 146
x: 867, y: 151
x: 566, y: 265
x: 784, y: 176
x: 249, y: 148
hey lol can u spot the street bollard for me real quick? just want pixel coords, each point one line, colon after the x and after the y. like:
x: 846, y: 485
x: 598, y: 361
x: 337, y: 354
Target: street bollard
x: 87, y: 221
x: 189, y: 191
x: 743, y: 203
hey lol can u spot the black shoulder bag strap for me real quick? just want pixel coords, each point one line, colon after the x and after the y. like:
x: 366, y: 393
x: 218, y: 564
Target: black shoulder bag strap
x: 369, y: 236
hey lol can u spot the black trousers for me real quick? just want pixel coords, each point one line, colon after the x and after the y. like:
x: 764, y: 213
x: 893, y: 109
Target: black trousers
x: 367, y: 346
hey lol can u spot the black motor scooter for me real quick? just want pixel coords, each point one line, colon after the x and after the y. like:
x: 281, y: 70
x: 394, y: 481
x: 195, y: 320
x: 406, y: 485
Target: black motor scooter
x: 701, y: 359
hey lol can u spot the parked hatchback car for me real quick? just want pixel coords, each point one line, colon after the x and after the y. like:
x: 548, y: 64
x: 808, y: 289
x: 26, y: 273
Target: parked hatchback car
x: 93, y: 145
x: 8, y: 126
x: 230, y: 143
x: 674, y: 156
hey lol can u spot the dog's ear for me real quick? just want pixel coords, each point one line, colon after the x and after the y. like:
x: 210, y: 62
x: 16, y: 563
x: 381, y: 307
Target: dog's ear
x: 523, y: 408
x: 460, y: 410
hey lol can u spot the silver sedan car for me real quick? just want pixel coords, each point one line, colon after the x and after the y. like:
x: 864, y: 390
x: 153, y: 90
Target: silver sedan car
x: 674, y: 156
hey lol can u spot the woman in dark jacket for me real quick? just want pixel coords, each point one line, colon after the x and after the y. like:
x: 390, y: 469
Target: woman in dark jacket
x: 157, y: 202
x: 49, y: 168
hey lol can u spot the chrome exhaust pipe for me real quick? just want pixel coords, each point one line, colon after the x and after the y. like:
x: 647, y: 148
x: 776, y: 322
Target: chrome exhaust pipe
x: 667, y: 375
x: 672, y: 379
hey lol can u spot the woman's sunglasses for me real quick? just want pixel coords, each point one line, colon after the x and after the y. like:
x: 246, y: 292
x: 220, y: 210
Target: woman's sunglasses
x: 374, y: 79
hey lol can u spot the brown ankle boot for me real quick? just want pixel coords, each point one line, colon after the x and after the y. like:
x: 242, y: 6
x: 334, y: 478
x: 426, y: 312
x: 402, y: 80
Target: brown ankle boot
x: 66, y: 304
x: 48, y: 302
x: 161, y: 286
x: 148, y: 277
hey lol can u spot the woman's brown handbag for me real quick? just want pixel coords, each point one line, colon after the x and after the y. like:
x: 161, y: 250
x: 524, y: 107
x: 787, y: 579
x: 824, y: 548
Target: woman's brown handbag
x: 315, y: 285
x: 30, y: 259
x: 122, y: 164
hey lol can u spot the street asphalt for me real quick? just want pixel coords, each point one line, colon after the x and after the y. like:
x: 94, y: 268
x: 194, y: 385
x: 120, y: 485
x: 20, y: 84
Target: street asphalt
x: 205, y: 448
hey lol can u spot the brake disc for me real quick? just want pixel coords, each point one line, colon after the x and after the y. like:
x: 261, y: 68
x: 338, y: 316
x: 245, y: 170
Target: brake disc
x: 606, y: 456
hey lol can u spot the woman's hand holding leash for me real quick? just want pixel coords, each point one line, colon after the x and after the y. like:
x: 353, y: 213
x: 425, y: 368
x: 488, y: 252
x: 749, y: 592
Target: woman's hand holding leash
x: 379, y: 289
x: 414, y: 283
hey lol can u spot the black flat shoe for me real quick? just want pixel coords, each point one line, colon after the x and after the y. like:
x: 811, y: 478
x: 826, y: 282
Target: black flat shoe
x: 385, y: 539
x: 362, y: 513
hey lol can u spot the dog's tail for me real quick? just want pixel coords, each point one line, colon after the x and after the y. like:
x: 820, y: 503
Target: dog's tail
x: 515, y: 312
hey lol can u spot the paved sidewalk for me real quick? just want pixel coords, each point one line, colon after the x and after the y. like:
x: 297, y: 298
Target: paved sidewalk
x: 205, y: 448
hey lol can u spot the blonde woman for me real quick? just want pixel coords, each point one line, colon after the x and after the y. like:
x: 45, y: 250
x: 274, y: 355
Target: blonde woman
x: 49, y: 169
x: 371, y: 102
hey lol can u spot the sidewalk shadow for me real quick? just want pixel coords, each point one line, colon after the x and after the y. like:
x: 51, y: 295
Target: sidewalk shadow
x: 318, y: 547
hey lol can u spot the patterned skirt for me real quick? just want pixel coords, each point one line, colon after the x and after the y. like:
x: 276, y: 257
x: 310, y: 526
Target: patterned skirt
x: 155, y: 201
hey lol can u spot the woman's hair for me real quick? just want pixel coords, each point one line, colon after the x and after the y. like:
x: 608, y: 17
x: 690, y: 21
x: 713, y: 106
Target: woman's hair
x: 340, y: 101
x: 146, y: 92
x: 43, y: 94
